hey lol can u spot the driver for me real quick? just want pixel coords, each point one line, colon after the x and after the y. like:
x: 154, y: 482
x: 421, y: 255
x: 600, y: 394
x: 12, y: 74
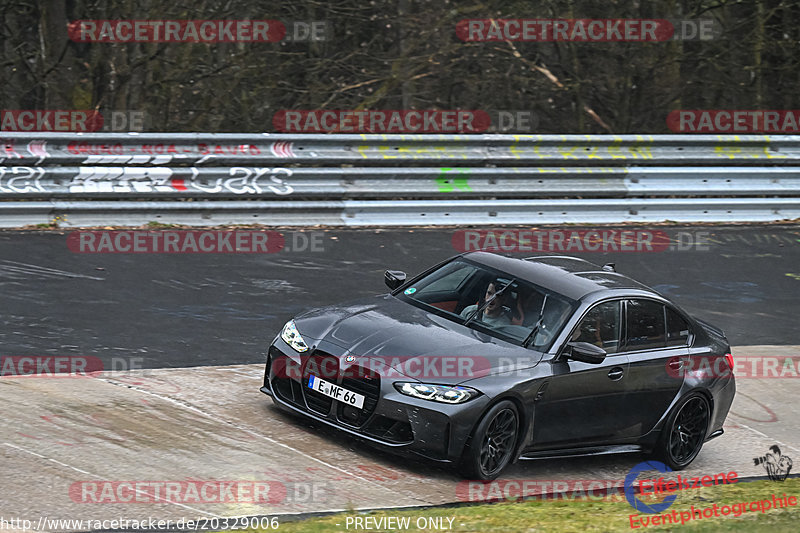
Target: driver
x: 494, y: 314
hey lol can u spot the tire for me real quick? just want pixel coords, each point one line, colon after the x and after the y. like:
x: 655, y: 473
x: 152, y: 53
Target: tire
x: 492, y: 444
x: 685, y: 431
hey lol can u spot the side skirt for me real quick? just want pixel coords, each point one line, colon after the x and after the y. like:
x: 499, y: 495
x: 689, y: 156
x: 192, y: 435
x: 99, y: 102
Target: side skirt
x: 580, y: 452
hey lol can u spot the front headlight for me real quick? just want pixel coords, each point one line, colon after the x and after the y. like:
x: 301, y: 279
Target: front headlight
x: 292, y: 337
x: 436, y: 393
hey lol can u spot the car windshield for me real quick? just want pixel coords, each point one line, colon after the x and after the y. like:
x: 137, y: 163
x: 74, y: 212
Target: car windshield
x: 492, y: 302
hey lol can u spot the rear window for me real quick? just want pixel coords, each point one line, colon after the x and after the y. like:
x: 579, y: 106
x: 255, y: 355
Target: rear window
x: 645, y: 325
x: 677, y: 329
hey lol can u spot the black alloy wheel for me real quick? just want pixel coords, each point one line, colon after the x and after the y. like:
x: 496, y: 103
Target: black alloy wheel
x: 493, y: 443
x: 685, y: 431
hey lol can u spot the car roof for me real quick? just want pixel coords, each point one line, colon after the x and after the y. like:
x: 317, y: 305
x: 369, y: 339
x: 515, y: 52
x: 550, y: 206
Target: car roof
x: 573, y: 277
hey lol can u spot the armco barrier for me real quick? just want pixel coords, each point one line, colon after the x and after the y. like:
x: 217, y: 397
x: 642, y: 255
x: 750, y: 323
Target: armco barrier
x: 130, y: 179
x: 185, y: 149
x: 409, y: 182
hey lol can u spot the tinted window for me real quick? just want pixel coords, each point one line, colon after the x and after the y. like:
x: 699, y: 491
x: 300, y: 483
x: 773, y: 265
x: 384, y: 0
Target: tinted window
x: 601, y: 327
x: 452, y: 277
x: 677, y: 329
x: 492, y: 302
x: 645, y: 325
x: 554, y: 314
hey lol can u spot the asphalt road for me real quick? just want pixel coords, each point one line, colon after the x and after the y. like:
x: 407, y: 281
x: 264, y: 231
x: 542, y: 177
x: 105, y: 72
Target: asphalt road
x: 178, y: 310
x: 64, y: 437
x: 69, y: 446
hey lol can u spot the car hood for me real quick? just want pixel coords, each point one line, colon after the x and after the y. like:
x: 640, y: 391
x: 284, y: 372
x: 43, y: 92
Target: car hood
x: 408, y: 341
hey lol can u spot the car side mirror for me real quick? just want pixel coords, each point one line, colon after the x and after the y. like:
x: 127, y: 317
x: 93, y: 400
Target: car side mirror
x: 394, y: 278
x: 586, y: 353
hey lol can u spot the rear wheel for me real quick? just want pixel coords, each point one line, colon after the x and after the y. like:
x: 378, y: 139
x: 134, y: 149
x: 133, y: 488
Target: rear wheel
x: 684, y: 433
x: 492, y: 444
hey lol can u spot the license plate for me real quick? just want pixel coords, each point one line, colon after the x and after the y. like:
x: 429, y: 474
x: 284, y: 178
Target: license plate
x: 336, y: 392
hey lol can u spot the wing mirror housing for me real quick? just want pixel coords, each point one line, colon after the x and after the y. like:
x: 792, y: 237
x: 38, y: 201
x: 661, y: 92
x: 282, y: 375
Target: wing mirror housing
x: 394, y: 278
x: 586, y: 353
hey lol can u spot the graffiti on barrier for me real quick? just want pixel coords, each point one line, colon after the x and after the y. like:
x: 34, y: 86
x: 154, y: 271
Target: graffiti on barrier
x: 245, y: 180
x: 21, y: 180
x: 94, y: 179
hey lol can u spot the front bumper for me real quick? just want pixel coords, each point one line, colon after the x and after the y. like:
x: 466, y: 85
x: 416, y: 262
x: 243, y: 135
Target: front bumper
x: 389, y: 419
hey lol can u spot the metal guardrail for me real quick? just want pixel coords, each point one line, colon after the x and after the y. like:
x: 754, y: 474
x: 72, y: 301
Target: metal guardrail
x: 412, y: 212
x: 413, y: 182
x: 183, y: 149
x: 124, y: 179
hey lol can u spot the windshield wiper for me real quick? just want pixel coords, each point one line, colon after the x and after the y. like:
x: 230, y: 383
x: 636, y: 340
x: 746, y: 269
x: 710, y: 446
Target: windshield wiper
x: 535, y: 329
x: 487, y: 302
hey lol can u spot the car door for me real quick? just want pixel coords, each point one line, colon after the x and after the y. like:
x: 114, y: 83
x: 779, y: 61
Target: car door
x: 579, y: 404
x: 656, y: 340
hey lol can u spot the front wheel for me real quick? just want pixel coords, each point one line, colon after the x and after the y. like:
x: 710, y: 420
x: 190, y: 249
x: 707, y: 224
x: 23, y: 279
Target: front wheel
x: 492, y: 444
x: 684, y: 433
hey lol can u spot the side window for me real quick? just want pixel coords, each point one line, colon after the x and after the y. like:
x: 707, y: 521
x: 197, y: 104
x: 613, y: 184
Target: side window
x: 645, y: 325
x: 601, y: 327
x: 677, y: 329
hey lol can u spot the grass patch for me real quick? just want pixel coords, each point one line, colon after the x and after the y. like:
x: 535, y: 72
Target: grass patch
x: 160, y: 225
x: 586, y: 515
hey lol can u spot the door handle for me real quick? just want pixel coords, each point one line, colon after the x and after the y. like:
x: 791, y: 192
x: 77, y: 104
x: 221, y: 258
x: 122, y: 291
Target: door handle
x: 615, y: 373
x: 676, y: 364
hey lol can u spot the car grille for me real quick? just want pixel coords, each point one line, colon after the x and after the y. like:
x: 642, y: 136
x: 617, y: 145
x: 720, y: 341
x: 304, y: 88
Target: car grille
x: 324, y: 366
x: 363, y: 381
x: 285, y: 385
